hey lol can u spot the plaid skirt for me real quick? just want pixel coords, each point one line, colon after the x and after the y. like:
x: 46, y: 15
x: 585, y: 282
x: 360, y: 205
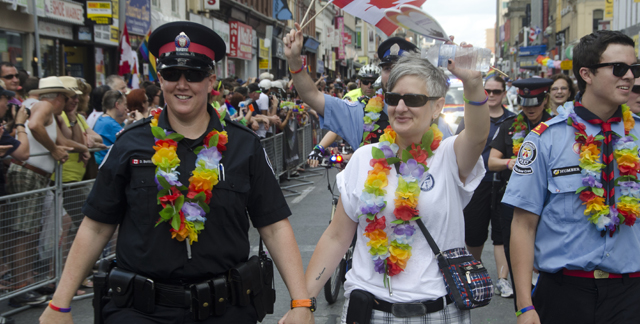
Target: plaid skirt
x: 24, y: 214
x: 449, y: 315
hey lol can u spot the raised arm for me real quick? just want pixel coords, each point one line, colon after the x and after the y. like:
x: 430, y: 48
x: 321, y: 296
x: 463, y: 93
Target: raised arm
x: 302, y: 81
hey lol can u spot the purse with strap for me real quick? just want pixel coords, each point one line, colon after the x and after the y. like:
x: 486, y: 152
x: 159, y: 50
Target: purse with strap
x: 466, y: 279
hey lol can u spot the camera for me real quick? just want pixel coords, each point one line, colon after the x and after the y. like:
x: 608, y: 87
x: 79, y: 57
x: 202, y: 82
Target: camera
x: 8, y: 116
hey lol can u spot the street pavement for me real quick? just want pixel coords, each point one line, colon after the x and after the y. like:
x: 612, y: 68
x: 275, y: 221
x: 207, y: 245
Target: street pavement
x: 311, y: 212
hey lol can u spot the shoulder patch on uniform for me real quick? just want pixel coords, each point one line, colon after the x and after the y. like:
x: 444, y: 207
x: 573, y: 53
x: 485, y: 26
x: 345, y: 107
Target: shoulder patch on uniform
x: 135, y: 124
x: 540, y: 128
x: 526, y: 156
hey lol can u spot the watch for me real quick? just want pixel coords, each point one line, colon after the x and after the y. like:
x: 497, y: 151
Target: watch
x: 73, y: 123
x: 311, y: 303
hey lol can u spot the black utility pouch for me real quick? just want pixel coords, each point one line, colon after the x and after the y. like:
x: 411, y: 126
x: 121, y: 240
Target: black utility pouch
x: 360, y: 307
x: 258, y: 296
x: 220, y: 295
x: 240, y: 280
x: 266, y: 266
x: 201, y: 302
x: 121, y: 285
x: 144, y: 297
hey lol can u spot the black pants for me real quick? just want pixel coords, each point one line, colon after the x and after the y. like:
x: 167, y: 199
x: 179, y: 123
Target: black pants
x: 173, y: 315
x: 506, y: 217
x: 564, y: 299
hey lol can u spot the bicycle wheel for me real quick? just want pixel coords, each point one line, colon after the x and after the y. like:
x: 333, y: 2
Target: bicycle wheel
x: 332, y: 287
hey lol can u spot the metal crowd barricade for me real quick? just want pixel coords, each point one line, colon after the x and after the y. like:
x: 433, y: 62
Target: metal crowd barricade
x: 50, y: 217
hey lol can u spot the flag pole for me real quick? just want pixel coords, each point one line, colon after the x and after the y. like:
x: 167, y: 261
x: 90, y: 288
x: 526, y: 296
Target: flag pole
x: 307, y: 13
x: 314, y: 17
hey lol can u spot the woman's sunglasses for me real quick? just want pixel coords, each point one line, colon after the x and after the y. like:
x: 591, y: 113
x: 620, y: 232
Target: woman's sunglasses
x: 173, y: 75
x: 495, y: 92
x: 410, y: 99
x: 620, y: 69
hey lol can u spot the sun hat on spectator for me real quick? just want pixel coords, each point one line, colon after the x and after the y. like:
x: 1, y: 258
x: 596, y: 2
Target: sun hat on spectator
x: 70, y: 83
x: 277, y: 84
x: 52, y: 84
x: 266, y: 76
x: 265, y: 84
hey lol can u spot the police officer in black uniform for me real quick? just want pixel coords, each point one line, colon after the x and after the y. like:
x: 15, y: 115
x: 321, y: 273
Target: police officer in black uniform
x: 532, y: 97
x: 165, y: 270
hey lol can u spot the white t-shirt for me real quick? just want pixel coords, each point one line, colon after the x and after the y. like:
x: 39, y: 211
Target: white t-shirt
x: 441, y: 200
x: 93, y: 117
x: 263, y: 102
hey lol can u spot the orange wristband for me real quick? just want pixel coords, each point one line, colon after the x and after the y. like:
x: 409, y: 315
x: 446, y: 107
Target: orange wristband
x: 310, y: 303
x: 296, y: 72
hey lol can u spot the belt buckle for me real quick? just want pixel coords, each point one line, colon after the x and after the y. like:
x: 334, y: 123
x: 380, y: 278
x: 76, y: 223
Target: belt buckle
x: 408, y: 309
x: 599, y: 274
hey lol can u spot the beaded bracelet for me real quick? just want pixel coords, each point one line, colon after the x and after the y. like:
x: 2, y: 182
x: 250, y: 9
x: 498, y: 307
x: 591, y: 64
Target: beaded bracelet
x: 476, y: 103
x: 298, y: 71
x: 524, y: 310
x: 59, y: 309
x: 319, y: 147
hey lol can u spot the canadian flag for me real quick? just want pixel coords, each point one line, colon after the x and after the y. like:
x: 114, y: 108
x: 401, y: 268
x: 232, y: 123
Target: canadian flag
x: 532, y: 34
x: 372, y: 11
x: 126, y: 54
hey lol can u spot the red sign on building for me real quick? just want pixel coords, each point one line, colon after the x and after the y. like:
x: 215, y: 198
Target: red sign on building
x: 240, y: 40
x: 346, y: 38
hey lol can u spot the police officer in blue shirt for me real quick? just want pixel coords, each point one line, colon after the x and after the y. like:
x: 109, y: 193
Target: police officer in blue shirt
x: 344, y: 117
x: 575, y: 192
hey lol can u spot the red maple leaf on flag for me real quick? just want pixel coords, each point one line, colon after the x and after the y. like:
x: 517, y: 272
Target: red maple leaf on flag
x: 382, y: 4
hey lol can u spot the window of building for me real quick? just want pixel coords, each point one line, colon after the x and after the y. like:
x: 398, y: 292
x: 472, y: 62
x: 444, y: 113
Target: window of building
x: 174, y: 6
x: 155, y: 4
x: 598, y: 15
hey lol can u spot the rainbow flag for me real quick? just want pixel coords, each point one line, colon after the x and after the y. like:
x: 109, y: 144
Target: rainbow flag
x: 147, y: 56
x: 491, y: 73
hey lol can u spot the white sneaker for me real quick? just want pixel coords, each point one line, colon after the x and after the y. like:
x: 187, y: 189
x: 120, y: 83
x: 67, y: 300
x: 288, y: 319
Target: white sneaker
x: 504, y: 286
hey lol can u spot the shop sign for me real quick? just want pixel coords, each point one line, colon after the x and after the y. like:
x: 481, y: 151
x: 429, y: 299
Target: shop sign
x: 138, y: 16
x: 84, y: 33
x: 222, y: 29
x: 64, y: 11
x: 100, y: 70
x: 608, y: 9
x: 346, y: 38
x: 264, y: 51
x: 54, y: 30
x: 364, y: 60
x: 566, y: 65
x: 105, y: 34
x: 211, y: 4
x: 332, y: 64
x: 340, y: 31
x: 99, y: 12
x: 279, y: 46
x: 532, y: 50
x: 528, y: 64
x: 265, y: 56
x: 240, y: 40
x: 320, y: 67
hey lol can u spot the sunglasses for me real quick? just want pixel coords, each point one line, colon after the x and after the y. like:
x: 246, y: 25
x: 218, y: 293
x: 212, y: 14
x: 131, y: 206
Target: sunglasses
x: 636, y: 89
x: 10, y: 76
x: 496, y: 92
x: 173, y: 75
x: 366, y: 82
x: 410, y: 99
x: 620, y: 69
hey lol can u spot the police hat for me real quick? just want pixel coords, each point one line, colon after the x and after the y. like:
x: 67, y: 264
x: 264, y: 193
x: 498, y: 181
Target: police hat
x: 186, y: 44
x: 531, y: 92
x: 391, y: 49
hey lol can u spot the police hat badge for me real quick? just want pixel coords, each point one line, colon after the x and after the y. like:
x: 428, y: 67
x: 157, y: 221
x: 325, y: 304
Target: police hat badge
x: 182, y: 42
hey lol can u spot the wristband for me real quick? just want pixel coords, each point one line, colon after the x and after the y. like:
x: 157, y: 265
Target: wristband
x: 298, y: 71
x: 319, y: 147
x: 59, y: 309
x: 508, y: 161
x: 524, y: 310
x: 20, y: 125
x: 476, y: 103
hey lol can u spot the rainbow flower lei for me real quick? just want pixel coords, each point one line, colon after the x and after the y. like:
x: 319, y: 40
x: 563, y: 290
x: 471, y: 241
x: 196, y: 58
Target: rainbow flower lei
x: 520, y: 132
x: 626, y: 210
x: 185, y: 214
x: 390, y: 253
x: 371, y: 116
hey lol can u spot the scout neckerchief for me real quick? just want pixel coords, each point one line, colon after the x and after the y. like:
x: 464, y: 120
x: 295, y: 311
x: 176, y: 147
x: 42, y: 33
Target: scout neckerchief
x: 185, y: 214
x: 521, y: 128
x: 391, y: 252
x: 597, y: 195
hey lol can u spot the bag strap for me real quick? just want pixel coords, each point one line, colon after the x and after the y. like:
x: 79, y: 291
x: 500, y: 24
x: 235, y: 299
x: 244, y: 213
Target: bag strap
x: 427, y: 235
x: 260, y: 248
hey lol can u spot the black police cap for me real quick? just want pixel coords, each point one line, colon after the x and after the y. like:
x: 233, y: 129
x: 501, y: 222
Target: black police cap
x: 186, y: 44
x: 532, y: 91
x: 391, y: 49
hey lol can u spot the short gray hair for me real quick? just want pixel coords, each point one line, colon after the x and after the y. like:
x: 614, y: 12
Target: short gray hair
x: 51, y: 95
x: 437, y: 82
x: 110, y: 99
x: 111, y: 80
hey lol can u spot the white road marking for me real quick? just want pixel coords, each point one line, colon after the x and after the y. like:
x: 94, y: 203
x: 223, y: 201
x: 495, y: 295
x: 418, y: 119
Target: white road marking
x: 302, y: 195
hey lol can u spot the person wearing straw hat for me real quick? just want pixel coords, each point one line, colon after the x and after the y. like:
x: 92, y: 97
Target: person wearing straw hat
x: 213, y: 181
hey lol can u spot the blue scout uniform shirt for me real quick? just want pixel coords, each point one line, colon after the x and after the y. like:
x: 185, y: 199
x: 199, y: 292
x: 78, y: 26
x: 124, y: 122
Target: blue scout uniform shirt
x: 344, y: 118
x: 544, y: 182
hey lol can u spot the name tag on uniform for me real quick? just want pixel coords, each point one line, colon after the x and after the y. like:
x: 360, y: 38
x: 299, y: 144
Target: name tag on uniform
x: 565, y: 171
x: 140, y: 162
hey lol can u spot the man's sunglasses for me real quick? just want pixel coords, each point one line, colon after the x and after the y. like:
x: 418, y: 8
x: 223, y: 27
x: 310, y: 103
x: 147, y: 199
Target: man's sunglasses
x: 410, y: 99
x: 10, y: 76
x: 495, y: 92
x: 173, y: 75
x: 636, y: 89
x: 367, y: 82
x: 620, y: 69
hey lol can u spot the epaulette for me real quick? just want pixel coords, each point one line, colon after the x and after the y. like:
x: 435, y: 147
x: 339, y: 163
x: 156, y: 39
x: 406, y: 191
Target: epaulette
x: 540, y: 128
x: 242, y: 127
x: 546, y: 124
x: 133, y: 125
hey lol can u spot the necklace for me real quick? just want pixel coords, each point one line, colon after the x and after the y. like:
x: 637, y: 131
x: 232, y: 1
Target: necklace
x: 185, y: 214
x: 608, y: 218
x: 391, y: 252
x: 371, y: 116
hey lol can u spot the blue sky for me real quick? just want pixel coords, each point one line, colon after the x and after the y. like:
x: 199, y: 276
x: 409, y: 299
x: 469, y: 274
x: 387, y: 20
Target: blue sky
x: 467, y: 20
